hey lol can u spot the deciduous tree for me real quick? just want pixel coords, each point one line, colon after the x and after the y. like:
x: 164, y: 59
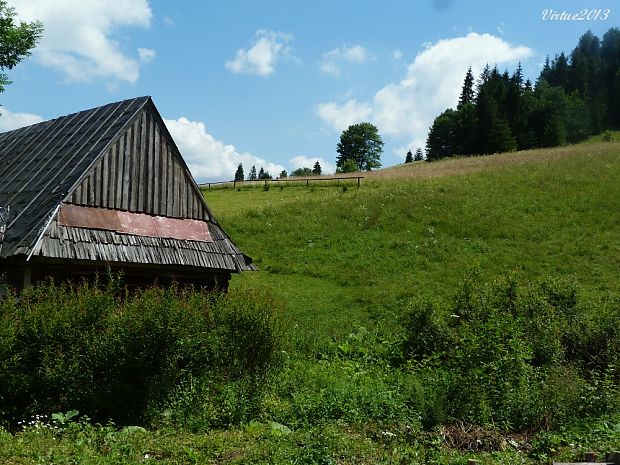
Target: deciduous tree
x: 362, y: 144
x: 16, y: 40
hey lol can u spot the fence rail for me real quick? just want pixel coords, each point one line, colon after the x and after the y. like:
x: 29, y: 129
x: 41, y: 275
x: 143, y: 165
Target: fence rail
x: 283, y: 180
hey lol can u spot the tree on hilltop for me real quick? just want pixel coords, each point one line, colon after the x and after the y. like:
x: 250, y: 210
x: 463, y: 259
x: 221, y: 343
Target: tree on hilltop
x: 362, y: 144
x: 239, y: 176
x: 467, y: 92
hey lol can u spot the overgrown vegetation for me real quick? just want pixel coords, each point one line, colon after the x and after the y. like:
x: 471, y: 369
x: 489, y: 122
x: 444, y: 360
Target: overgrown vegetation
x: 115, y: 356
x: 445, y: 311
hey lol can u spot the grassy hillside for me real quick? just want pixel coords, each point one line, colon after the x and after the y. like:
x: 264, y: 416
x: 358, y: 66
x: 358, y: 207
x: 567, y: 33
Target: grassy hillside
x: 392, y: 351
x: 343, y: 259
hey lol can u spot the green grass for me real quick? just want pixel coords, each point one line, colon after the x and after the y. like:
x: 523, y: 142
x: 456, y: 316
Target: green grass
x: 344, y: 259
x: 345, y: 263
x: 603, y: 137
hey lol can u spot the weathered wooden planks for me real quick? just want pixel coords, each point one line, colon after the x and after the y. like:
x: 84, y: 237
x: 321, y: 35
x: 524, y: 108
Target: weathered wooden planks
x: 142, y: 172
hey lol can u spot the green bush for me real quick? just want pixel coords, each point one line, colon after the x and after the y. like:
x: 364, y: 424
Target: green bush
x: 515, y: 356
x: 117, y: 356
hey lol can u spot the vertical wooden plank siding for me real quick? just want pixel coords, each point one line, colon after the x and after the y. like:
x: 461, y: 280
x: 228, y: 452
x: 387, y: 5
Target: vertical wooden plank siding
x: 127, y: 169
x: 170, y: 186
x: 156, y: 172
x: 105, y: 169
x: 133, y: 186
x: 112, y: 176
x: 118, y: 174
x: 141, y: 172
x: 149, y: 167
x: 163, y: 163
x: 141, y: 161
x: 96, y: 179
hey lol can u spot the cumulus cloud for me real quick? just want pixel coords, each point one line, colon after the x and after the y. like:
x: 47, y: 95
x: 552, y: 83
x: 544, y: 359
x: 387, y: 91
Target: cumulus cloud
x: 79, y: 38
x: 331, y: 61
x: 340, y: 116
x: 302, y: 161
x: 10, y: 120
x: 146, y: 55
x: 210, y: 159
x: 260, y: 59
x: 397, y: 55
x: 406, y: 109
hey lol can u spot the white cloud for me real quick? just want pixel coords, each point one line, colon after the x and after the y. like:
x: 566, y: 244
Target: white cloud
x: 267, y: 49
x: 79, y: 38
x: 340, y: 117
x: 330, y: 62
x: 210, y: 159
x: 301, y: 161
x: 406, y: 109
x: 146, y: 55
x: 10, y: 120
x: 397, y: 55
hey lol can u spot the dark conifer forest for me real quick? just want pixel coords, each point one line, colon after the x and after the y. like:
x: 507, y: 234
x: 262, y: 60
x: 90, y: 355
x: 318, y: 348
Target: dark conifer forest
x: 575, y: 96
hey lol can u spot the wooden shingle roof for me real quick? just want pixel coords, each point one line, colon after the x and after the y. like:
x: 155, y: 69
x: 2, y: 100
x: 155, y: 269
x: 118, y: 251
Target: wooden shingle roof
x: 75, y: 158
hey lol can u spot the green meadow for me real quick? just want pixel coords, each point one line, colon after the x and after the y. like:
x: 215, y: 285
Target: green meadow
x: 441, y: 312
x: 341, y: 259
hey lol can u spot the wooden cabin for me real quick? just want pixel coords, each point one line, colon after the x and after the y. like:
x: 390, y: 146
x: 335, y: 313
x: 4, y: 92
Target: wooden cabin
x: 107, y: 188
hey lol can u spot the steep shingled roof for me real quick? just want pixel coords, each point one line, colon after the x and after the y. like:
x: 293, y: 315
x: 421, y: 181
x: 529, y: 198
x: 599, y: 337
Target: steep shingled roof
x: 43, y: 164
x: 40, y: 164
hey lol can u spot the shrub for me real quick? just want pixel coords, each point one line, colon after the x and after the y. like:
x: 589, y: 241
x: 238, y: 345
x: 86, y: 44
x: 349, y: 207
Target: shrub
x: 117, y: 356
x: 515, y: 355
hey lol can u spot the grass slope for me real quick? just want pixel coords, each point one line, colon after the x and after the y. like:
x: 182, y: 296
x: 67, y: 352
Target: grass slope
x: 344, y: 259
x: 340, y: 259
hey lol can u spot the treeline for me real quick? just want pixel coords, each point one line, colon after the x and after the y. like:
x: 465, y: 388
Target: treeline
x: 574, y: 96
x: 264, y: 175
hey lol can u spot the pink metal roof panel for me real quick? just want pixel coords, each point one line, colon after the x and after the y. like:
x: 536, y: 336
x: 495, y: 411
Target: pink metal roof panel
x: 137, y: 224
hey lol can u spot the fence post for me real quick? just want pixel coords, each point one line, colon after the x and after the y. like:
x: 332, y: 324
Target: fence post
x: 358, y: 182
x: 307, y: 182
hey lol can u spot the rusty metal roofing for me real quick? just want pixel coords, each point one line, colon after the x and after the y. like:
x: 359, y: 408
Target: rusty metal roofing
x: 134, y: 223
x: 42, y: 165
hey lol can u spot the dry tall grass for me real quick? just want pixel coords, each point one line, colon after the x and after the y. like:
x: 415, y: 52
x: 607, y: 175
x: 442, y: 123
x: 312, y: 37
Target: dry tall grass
x: 466, y: 165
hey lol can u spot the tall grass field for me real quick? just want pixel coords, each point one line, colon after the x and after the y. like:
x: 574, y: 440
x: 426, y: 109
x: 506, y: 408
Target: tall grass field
x: 446, y: 311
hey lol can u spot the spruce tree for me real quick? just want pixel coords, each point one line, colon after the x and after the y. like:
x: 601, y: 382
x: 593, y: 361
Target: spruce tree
x: 317, y: 169
x: 467, y: 92
x: 261, y: 173
x: 409, y: 157
x: 239, y: 176
x: 418, y: 155
x: 610, y: 74
x: 252, y: 175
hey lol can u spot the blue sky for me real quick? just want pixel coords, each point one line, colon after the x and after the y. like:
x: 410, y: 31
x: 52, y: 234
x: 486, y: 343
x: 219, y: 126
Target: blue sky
x: 273, y: 83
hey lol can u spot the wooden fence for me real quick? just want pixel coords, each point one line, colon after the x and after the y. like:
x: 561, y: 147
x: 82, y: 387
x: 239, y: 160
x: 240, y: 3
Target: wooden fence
x: 283, y: 180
